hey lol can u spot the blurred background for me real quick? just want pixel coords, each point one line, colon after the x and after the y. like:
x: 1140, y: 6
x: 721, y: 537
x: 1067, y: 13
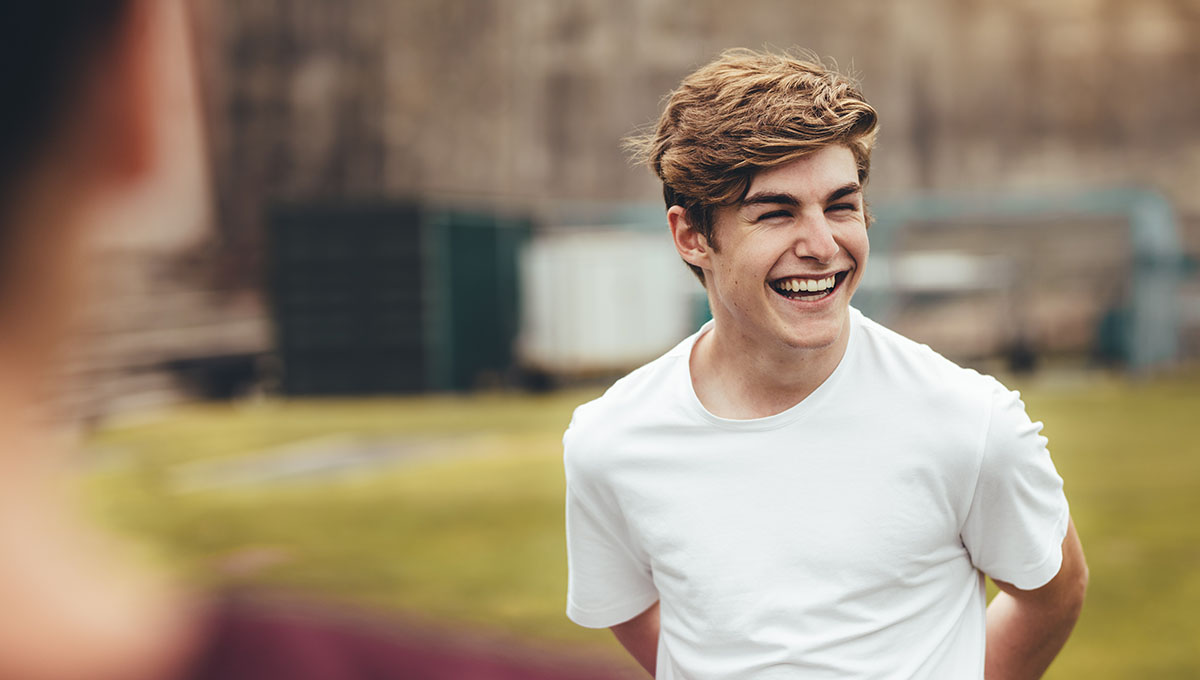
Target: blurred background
x: 426, y: 247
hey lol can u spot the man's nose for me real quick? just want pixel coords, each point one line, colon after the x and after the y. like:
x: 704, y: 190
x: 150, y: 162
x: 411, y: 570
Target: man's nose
x: 815, y: 238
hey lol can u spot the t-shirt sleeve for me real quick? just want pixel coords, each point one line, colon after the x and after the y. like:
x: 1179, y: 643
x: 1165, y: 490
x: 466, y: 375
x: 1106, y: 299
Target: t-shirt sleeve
x: 609, y: 579
x: 1018, y: 515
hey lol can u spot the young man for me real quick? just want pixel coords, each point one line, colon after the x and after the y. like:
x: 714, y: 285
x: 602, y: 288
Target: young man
x: 796, y: 491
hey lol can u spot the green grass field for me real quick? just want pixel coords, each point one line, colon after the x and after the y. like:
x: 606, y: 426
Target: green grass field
x: 473, y: 537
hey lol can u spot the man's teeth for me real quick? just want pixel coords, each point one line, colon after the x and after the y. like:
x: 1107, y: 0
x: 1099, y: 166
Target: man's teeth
x: 807, y: 285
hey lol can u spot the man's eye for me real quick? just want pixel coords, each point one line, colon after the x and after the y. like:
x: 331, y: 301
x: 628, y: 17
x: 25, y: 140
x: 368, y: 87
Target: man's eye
x: 773, y: 215
x: 843, y: 206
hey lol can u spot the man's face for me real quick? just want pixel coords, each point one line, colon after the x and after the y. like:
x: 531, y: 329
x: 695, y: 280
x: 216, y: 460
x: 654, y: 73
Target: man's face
x: 801, y: 226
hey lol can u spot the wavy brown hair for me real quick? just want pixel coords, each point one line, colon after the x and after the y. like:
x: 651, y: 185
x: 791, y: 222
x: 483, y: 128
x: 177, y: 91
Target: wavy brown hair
x: 744, y: 112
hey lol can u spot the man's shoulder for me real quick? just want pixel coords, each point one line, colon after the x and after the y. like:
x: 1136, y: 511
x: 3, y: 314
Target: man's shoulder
x: 642, y: 388
x: 639, y: 399
x: 921, y: 390
x: 913, y: 375
x: 916, y: 364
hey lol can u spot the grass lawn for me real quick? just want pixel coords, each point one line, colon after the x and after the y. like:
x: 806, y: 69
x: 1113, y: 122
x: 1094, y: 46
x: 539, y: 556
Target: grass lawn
x: 474, y: 536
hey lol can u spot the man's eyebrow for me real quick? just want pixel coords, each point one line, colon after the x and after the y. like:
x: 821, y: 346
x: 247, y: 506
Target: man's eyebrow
x: 782, y: 198
x: 845, y: 190
x: 777, y: 198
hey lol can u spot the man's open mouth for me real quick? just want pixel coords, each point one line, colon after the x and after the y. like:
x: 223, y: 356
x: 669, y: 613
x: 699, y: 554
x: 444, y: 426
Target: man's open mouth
x: 808, y: 288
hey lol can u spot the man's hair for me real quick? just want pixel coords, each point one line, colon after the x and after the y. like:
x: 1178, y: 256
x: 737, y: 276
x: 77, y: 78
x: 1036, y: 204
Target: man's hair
x: 744, y: 112
x: 42, y: 59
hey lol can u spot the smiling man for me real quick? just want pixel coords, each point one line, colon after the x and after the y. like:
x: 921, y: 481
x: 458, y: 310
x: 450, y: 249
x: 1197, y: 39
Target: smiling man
x: 795, y: 491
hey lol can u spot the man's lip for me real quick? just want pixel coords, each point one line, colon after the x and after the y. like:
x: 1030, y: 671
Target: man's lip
x: 814, y: 277
x: 838, y: 276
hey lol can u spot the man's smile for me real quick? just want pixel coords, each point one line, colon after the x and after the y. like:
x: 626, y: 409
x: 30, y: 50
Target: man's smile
x: 809, y: 288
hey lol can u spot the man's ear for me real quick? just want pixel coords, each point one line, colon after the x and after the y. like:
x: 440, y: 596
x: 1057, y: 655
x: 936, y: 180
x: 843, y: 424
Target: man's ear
x: 125, y: 95
x: 692, y: 246
x: 148, y: 144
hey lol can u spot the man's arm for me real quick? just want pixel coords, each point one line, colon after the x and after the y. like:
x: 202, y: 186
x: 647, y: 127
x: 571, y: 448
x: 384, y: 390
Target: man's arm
x: 1027, y: 628
x: 639, y: 637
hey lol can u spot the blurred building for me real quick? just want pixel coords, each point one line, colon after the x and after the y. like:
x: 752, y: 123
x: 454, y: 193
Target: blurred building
x: 527, y: 100
x: 521, y: 105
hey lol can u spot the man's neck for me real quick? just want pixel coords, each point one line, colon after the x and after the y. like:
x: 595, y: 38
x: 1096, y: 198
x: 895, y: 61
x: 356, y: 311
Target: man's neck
x: 737, y: 379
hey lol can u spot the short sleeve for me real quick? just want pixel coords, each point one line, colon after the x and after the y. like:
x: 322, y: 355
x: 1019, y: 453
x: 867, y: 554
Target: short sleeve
x: 1018, y: 515
x: 609, y: 579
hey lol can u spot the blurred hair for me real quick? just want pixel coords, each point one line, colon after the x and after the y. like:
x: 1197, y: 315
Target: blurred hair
x: 43, y: 59
x: 744, y: 112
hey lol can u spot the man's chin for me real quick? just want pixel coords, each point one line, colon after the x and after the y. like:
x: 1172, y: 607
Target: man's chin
x: 812, y: 344
x: 816, y: 337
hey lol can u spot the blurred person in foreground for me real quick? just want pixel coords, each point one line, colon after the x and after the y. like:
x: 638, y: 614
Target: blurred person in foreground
x: 99, y: 130
x: 795, y: 491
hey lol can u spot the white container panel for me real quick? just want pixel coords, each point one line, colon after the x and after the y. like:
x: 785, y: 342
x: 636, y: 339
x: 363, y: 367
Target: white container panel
x: 601, y: 300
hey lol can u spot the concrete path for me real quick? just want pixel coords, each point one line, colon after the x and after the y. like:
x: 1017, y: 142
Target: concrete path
x: 323, y: 457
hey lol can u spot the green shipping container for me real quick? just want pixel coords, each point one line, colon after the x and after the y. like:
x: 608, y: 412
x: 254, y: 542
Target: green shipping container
x: 395, y: 297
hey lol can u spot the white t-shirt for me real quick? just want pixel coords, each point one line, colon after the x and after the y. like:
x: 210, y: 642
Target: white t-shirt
x: 846, y: 537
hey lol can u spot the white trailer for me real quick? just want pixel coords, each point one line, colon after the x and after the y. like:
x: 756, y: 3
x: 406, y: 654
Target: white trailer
x: 602, y: 299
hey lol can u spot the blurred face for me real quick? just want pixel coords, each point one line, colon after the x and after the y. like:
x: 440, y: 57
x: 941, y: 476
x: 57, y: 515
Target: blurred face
x: 790, y: 255
x: 128, y: 155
